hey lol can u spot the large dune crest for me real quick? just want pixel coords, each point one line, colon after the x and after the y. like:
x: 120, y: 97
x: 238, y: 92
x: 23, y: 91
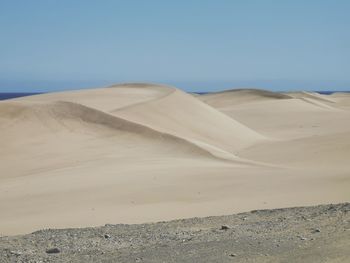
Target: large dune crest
x: 182, y: 115
x: 75, y: 127
x: 167, y: 110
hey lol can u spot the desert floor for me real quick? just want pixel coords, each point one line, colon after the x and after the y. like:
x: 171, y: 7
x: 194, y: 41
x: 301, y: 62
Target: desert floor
x: 137, y: 153
x: 303, y: 234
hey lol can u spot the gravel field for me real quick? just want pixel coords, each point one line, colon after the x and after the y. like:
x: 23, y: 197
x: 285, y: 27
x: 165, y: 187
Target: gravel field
x: 304, y: 234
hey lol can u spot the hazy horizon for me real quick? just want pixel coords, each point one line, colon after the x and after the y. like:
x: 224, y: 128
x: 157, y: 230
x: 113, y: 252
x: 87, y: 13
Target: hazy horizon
x: 277, y: 86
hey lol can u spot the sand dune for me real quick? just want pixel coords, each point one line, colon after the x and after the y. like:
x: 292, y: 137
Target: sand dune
x: 330, y: 152
x: 108, y: 98
x: 287, y: 118
x: 77, y: 128
x: 157, y: 107
x: 182, y: 115
x: 311, y: 95
x: 238, y: 96
x: 145, y: 152
x: 342, y: 99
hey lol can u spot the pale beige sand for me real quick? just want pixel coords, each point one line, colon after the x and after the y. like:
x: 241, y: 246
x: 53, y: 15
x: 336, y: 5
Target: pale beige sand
x: 144, y: 152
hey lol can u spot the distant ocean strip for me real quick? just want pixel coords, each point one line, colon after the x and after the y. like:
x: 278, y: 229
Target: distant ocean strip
x: 12, y: 95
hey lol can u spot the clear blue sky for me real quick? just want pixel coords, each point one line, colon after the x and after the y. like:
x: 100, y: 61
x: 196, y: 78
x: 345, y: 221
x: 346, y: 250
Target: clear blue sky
x: 196, y: 45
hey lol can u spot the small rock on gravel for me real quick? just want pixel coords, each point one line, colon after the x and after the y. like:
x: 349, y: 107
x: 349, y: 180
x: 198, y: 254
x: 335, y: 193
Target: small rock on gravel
x: 316, y: 230
x: 54, y: 250
x: 224, y: 227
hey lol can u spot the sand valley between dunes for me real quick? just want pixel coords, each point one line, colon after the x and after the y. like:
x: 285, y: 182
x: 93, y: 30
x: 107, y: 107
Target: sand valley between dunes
x: 136, y: 153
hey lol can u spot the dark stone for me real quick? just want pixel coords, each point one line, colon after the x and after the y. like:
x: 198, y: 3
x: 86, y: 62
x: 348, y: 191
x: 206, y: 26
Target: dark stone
x: 54, y: 250
x: 316, y: 230
x: 224, y: 227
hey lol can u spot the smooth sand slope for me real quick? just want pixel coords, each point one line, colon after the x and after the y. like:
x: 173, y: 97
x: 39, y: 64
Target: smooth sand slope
x: 145, y: 152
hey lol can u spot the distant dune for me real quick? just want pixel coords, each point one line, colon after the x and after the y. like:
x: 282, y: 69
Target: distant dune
x: 238, y: 96
x: 139, y: 152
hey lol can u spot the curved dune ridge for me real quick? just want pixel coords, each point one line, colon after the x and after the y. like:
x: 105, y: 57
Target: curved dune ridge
x: 139, y: 152
x: 157, y: 107
x: 41, y: 122
x: 141, y: 108
x: 182, y: 115
x: 239, y: 96
x: 229, y: 98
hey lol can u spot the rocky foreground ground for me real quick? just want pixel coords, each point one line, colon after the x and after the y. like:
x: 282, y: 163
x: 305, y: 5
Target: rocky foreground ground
x: 303, y: 234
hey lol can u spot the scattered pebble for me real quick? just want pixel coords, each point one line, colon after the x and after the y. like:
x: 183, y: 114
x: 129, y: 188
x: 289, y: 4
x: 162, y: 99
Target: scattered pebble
x: 224, y: 227
x: 316, y: 230
x: 54, y: 250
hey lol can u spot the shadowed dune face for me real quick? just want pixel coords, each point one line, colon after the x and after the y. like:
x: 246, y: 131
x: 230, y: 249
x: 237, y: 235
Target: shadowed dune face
x: 183, y: 116
x: 73, y: 131
x: 145, y: 152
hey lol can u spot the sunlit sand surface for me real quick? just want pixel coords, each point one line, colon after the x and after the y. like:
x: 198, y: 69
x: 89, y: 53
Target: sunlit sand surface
x: 137, y: 153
